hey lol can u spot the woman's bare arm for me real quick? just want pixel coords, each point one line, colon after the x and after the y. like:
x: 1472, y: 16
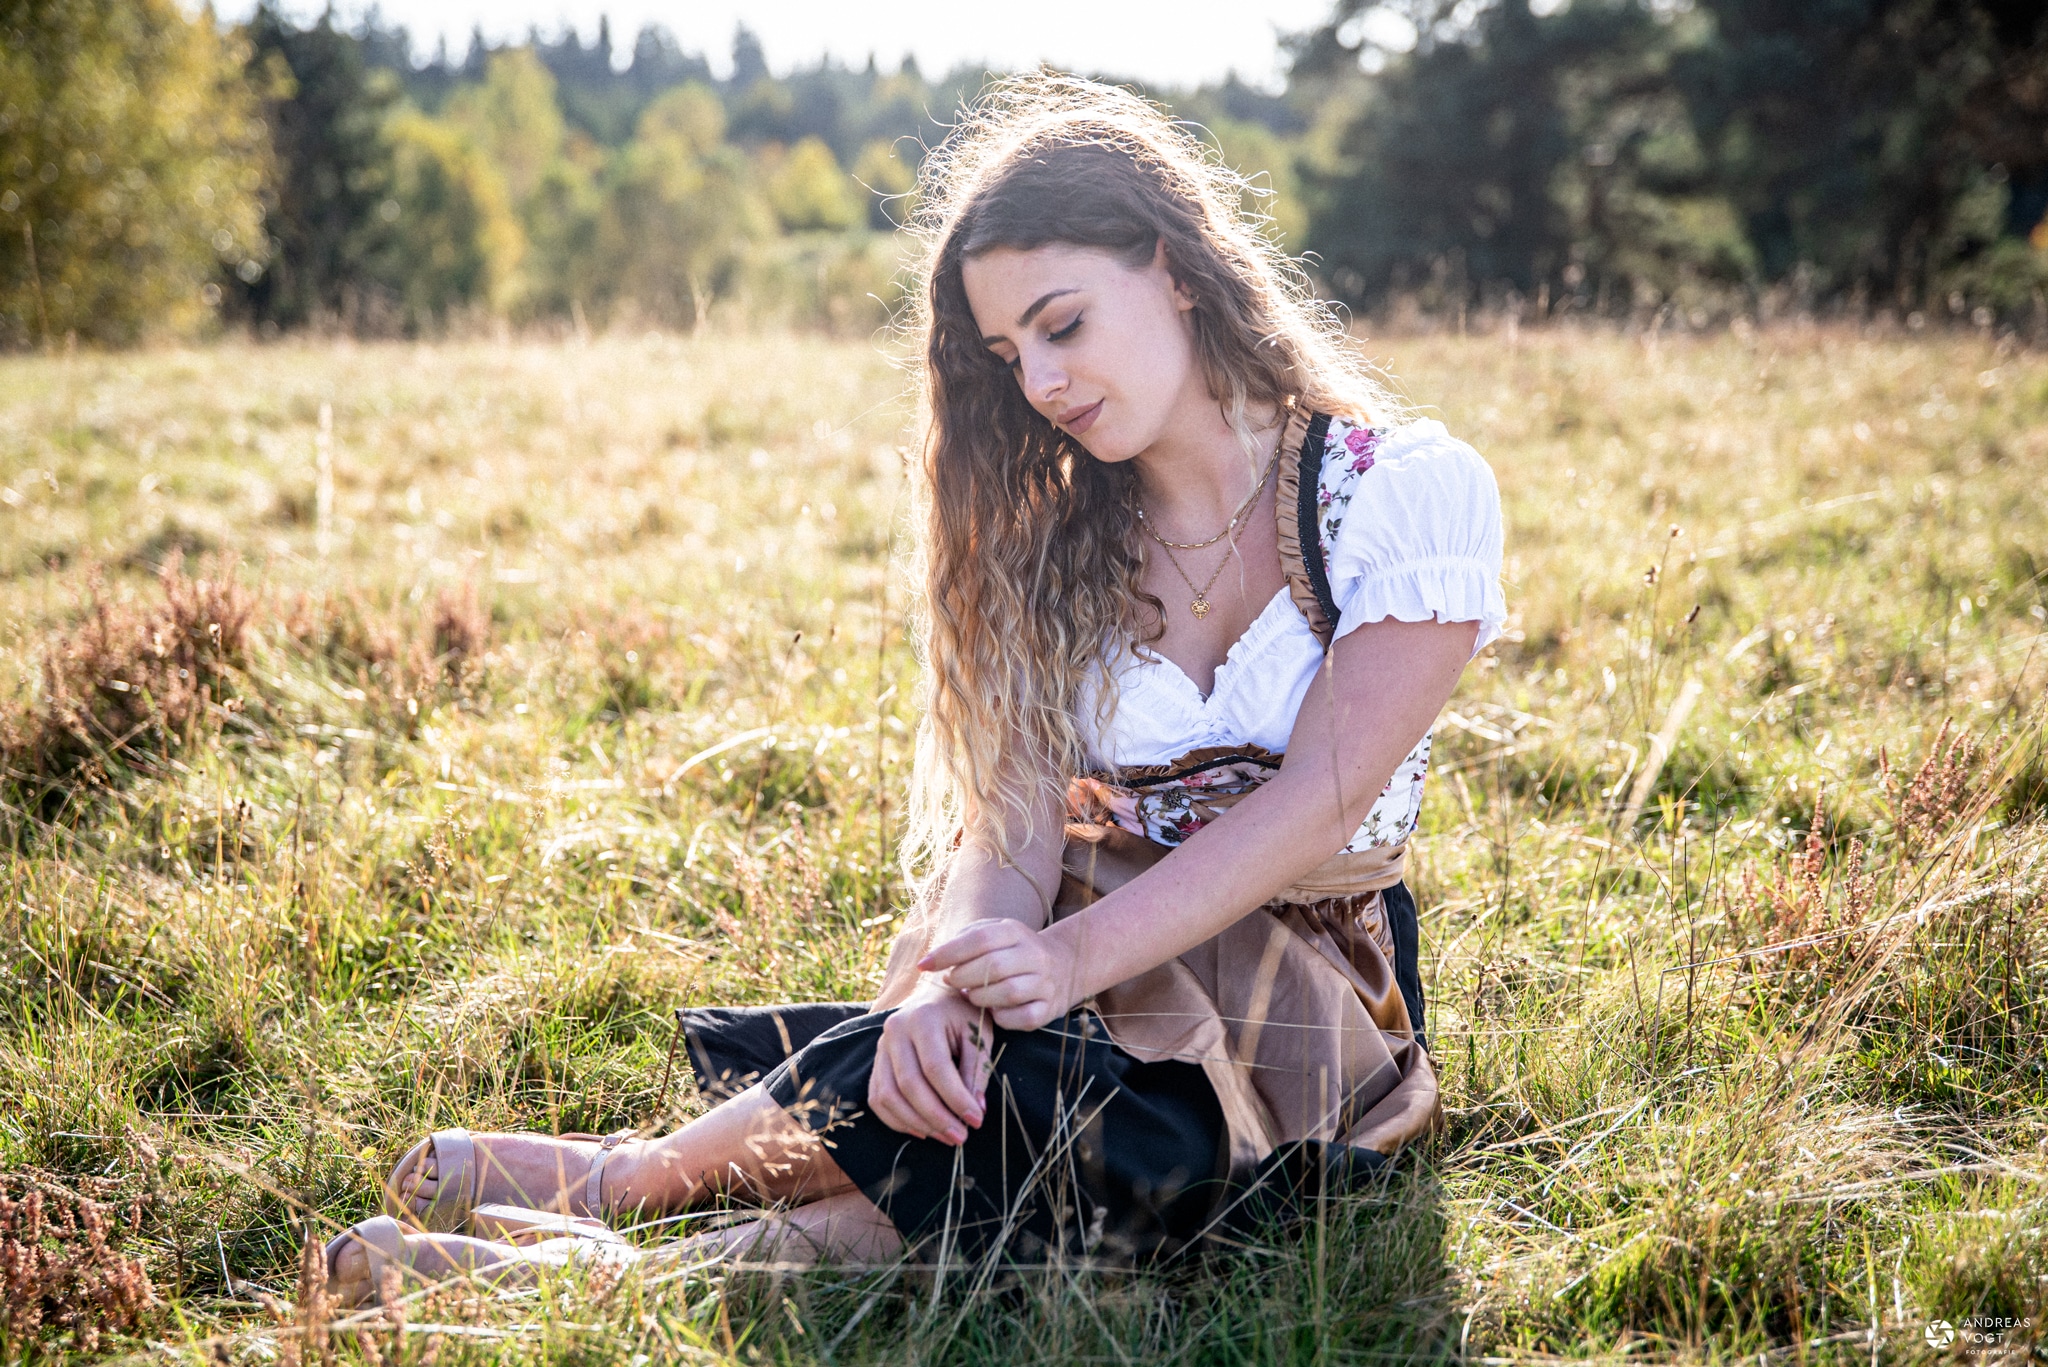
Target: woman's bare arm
x: 1381, y: 689
x: 931, y: 1065
x: 981, y: 884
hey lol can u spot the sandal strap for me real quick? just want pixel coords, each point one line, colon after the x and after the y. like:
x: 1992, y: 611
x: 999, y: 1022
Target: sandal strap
x: 593, y: 1187
x: 382, y: 1238
x: 499, y: 1222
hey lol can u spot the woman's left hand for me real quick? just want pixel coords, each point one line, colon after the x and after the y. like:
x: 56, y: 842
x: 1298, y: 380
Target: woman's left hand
x: 1024, y: 978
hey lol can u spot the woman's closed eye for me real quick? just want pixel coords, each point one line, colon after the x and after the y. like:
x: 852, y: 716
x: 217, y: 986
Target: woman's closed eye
x: 1013, y: 362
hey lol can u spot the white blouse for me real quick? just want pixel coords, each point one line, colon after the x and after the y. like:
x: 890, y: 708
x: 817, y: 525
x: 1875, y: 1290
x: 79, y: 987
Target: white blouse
x: 1420, y: 541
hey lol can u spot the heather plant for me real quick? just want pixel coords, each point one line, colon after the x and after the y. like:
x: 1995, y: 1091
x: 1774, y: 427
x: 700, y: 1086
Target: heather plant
x: 130, y: 683
x: 60, y: 1275
x: 586, y: 698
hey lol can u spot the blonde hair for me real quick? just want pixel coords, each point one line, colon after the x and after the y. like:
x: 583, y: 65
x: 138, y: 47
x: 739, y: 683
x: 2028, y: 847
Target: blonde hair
x: 1026, y: 549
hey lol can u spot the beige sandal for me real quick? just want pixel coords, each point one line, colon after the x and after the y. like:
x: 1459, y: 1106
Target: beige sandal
x: 460, y: 1188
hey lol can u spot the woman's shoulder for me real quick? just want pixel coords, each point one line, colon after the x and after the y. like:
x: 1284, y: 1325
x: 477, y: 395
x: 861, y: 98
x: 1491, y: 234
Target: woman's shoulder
x: 1412, y: 520
x: 1413, y: 451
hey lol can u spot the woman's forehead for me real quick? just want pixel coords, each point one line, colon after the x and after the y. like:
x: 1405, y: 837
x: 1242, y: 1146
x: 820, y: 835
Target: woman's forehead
x: 1003, y: 282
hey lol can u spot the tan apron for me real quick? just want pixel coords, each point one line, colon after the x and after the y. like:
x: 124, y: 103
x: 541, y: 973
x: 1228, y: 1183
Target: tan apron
x: 1293, y: 1012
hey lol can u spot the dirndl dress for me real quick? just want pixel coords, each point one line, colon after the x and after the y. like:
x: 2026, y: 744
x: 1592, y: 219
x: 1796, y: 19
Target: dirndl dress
x: 1282, y: 1057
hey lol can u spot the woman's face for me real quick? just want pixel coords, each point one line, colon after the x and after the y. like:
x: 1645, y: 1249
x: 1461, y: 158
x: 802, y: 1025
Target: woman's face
x: 1104, y: 350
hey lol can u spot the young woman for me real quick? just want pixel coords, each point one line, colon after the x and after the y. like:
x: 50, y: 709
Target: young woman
x: 1172, y: 533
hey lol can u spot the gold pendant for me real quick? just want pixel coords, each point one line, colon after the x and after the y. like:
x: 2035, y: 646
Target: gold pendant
x: 1200, y: 607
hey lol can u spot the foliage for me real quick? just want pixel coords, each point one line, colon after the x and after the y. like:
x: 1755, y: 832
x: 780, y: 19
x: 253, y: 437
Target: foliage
x: 515, y: 122
x: 809, y: 192
x: 1757, y: 1073
x: 889, y: 180
x: 329, y: 207
x: 131, y: 157
x: 1683, y: 163
x: 59, y: 1274
x: 131, y: 684
x: 1619, y: 155
x: 456, y: 242
x: 680, y: 210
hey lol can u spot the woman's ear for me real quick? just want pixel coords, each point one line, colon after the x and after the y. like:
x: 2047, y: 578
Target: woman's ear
x: 1183, y: 297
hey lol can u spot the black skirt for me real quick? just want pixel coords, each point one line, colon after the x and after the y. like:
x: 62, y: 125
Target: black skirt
x: 1086, y: 1151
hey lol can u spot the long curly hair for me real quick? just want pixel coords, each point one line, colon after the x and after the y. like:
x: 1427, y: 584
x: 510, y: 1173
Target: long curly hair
x: 1027, y: 550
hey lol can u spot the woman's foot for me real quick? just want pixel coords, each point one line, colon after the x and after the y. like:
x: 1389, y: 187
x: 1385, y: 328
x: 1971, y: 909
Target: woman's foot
x: 378, y: 1259
x: 439, y: 1183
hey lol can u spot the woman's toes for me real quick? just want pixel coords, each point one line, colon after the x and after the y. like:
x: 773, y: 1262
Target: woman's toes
x: 348, y: 1278
x: 418, y: 1187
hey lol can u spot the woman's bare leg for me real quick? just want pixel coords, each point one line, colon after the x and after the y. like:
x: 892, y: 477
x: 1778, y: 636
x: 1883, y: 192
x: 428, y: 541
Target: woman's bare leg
x: 843, y: 1228
x: 748, y: 1148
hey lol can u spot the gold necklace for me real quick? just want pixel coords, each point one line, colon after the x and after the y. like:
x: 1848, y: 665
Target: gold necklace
x: 1200, y: 605
x: 1229, y: 527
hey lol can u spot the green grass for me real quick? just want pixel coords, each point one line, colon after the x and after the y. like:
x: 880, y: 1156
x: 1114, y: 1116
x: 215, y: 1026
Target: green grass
x: 1721, y: 1083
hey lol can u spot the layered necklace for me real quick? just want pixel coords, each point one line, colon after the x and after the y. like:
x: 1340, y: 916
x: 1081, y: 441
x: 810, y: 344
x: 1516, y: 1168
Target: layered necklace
x: 1200, y: 604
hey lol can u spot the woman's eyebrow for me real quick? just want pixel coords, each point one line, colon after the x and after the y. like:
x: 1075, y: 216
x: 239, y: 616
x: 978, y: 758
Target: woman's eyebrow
x: 1024, y: 319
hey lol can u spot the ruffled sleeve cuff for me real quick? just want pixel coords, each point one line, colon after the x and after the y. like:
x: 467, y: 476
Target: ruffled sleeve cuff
x: 1420, y: 539
x: 1442, y: 589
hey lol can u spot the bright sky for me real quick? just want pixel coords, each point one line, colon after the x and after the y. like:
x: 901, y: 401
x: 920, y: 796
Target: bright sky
x: 1167, y: 42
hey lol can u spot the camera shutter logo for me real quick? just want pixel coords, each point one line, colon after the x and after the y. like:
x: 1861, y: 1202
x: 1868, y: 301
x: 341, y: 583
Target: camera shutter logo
x: 1940, y: 1333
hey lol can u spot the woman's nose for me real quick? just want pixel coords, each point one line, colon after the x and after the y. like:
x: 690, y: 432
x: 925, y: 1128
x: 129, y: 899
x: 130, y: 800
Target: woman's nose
x: 1043, y: 381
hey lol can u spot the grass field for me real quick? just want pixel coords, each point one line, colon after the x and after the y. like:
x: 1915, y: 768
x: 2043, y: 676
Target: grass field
x: 556, y: 686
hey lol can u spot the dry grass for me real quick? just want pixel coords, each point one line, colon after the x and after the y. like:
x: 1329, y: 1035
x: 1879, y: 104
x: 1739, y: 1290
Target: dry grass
x: 577, y: 689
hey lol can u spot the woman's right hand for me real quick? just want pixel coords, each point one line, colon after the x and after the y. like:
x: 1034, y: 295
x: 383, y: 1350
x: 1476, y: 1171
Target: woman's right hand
x: 931, y: 1067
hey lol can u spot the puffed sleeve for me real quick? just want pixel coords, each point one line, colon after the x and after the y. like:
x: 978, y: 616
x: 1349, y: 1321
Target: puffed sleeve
x: 1421, y: 537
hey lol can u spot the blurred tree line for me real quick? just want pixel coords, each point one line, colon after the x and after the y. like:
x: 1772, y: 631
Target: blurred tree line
x: 1696, y: 159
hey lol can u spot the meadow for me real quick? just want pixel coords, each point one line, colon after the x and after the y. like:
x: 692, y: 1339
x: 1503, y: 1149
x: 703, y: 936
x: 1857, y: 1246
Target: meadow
x: 393, y: 735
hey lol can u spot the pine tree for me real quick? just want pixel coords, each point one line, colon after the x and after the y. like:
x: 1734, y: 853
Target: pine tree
x: 332, y: 210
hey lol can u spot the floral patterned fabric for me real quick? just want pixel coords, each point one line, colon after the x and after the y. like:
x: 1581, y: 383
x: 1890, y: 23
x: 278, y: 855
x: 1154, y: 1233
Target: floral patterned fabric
x: 1167, y: 813
x: 1353, y: 457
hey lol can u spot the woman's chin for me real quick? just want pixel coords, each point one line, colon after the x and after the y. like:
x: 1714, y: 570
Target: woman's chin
x: 1105, y: 447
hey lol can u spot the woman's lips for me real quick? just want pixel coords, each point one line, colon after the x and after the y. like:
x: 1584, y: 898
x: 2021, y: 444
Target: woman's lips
x: 1082, y: 419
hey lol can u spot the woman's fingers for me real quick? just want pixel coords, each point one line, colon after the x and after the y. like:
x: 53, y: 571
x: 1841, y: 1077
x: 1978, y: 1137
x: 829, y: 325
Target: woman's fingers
x: 885, y: 1098
x: 936, y: 1058
x: 914, y: 1109
x: 894, y: 1059
x: 973, y: 1058
x: 1009, y: 992
x: 1033, y: 1015
x: 934, y: 1119
x: 979, y: 938
x: 937, y: 1121
x: 983, y: 969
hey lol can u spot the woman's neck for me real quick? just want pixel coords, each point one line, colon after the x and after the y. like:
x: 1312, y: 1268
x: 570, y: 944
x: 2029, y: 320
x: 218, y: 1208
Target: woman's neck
x: 1196, y: 475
